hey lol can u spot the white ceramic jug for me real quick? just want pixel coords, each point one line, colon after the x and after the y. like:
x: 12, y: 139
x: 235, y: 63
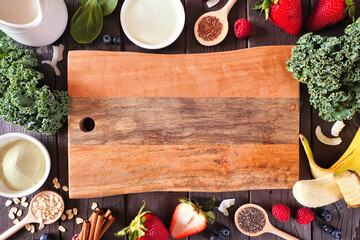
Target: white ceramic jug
x: 33, y: 22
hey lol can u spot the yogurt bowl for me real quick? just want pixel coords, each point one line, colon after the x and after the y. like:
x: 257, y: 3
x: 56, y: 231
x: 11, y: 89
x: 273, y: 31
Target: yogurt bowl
x: 152, y: 24
x: 12, y: 137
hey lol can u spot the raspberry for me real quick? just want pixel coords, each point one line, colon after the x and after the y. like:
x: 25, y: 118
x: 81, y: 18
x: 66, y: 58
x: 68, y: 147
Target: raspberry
x: 242, y: 28
x: 304, y: 216
x: 281, y: 212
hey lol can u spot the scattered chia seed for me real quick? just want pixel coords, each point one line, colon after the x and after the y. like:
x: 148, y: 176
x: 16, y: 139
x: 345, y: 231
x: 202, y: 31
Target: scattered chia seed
x: 209, y: 28
x: 251, y: 220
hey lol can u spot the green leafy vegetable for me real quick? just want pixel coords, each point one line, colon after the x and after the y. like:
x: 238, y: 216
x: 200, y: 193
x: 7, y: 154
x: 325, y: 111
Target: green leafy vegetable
x: 330, y: 67
x: 22, y: 103
x: 107, y: 6
x: 87, y: 22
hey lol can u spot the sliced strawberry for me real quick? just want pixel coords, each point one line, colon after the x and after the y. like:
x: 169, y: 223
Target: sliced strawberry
x: 145, y: 226
x: 190, y: 218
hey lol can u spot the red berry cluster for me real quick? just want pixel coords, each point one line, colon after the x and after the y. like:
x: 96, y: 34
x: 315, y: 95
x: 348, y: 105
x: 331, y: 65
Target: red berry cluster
x: 282, y: 213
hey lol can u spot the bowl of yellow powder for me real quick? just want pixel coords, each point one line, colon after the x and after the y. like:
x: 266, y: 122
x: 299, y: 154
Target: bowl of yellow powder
x: 24, y: 165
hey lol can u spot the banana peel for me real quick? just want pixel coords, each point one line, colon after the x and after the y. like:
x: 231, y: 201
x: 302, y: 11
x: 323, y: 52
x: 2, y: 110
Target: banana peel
x: 341, y: 180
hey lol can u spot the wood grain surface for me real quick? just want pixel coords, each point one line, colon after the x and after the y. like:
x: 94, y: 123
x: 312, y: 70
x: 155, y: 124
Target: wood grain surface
x: 184, y: 114
x: 126, y: 206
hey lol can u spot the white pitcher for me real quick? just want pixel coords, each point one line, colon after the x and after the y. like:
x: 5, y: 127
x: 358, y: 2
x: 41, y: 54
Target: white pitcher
x: 33, y: 22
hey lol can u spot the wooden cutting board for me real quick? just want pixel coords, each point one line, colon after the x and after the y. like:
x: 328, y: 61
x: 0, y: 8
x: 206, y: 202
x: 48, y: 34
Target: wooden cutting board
x: 194, y: 122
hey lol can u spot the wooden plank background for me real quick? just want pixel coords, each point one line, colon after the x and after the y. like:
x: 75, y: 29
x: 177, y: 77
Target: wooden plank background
x: 126, y: 206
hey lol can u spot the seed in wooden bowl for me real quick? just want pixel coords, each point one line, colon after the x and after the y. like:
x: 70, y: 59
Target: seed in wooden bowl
x: 79, y: 220
x: 16, y: 200
x: 251, y: 220
x: 8, y: 203
x: 62, y: 229
x: 94, y: 206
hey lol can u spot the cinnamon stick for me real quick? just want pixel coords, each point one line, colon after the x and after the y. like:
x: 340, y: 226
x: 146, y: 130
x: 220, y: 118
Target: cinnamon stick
x: 107, y: 224
x: 84, y: 234
x: 99, y: 224
x: 93, y: 218
x: 107, y: 214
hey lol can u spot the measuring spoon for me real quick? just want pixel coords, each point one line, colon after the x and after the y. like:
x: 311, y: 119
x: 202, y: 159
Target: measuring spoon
x: 268, y: 228
x: 222, y: 15
x: 30, y: 218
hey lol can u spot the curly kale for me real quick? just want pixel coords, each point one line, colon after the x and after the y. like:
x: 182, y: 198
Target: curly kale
x: 330, y: 67
x: 37, y: 109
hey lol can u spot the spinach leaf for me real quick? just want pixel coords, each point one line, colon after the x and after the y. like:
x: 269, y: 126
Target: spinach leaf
x: 87, y: 22
x: 2, y: 34
x: 107, y: 6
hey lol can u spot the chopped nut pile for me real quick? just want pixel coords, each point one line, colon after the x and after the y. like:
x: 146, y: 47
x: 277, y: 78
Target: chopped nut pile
x: 47, y: 207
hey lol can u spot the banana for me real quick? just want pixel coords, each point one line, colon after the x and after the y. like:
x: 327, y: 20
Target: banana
x: 341, y: 180
x: 349, y: 185
x: 318, y: 192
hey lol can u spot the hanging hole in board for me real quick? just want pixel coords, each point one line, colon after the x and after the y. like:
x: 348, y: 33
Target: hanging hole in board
x: 87, y: 124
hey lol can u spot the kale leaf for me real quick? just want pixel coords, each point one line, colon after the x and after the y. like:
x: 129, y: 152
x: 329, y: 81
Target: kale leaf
x: 37, y: 109
x: 330, y: 67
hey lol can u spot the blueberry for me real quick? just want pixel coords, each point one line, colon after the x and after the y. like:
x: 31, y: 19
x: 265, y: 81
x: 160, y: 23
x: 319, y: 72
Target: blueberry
x: 325, y: 215
x: 107, y: 39
x: 327, y: 228
x: 117, y: 39
x: 336, y: 233
x: 215, y: 236
x: 224, y: 231
x: 46, y: 236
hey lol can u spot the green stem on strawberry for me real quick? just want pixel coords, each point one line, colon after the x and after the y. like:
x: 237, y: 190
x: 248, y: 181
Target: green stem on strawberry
x: 209, y: 215
x: 136, y: 228
x: 264, y: 6
x: 350, y: 9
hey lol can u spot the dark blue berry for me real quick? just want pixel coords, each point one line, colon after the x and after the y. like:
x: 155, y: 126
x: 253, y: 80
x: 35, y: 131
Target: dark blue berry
x: 327, y: 228
x: 215, y: 236
x: 117, y: 39
x: 325, y: 215
x: 107, y: 39
x: 224, y: 231
x: 46, y: 236
x: 336, y: 233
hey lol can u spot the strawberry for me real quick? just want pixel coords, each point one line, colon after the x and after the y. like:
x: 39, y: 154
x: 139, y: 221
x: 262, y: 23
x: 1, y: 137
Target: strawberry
x: 145, y: 226
x: 190, y: 218
x: 286, y: 14
x: 329, y: 12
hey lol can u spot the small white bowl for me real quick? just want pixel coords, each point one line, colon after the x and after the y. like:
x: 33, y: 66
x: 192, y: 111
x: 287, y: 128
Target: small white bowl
x: 177, y: 31
x: 10, y: 137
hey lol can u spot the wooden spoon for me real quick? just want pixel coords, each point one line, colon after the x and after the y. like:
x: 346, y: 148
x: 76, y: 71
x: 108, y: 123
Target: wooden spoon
x: 30, y: 218
x: 222, y: 15
x: 268, y: 228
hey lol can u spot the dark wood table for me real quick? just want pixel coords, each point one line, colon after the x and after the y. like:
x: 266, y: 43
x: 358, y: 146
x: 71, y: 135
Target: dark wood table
x: 164, y: 203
